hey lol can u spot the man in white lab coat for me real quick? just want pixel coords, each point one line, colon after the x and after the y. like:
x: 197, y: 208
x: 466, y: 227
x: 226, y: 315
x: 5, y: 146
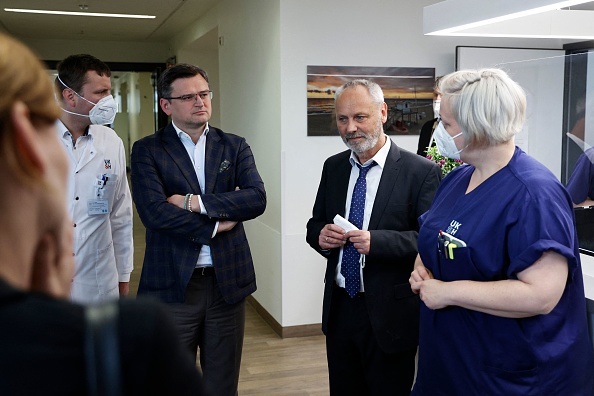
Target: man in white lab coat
x: 100, y: 200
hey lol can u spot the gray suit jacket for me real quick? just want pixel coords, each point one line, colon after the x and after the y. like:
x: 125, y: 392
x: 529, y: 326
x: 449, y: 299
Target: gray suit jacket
x: 405, y: 191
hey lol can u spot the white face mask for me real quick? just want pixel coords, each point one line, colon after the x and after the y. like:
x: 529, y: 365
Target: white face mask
x: 103, y: 112
x: 436, y: 105
x: 445, y: 143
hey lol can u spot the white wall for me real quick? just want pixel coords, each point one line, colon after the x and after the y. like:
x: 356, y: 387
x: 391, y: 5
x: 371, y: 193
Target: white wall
x: 346, y: 33
x: 250, y: 78
x: 107, y: 51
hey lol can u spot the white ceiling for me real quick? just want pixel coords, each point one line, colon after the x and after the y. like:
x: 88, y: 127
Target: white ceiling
x: 172, y: 17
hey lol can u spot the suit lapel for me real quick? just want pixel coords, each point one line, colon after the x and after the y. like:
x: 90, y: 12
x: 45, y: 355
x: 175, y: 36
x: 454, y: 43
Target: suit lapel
x: 175, y: 148
x: 214, y: 157
x: 386, y: 185
x: 341, y: 186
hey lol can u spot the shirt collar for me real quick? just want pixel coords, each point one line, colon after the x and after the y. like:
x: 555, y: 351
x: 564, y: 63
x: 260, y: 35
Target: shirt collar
x: 181, y: 133
x: 64, y: 133
x: 379, y: 157
x: 62, y: 130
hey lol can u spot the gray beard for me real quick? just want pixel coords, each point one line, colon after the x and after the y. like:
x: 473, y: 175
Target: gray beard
x: 366, y: 145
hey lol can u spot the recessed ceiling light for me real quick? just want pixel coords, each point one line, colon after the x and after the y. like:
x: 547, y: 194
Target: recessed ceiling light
x: 94, y: 14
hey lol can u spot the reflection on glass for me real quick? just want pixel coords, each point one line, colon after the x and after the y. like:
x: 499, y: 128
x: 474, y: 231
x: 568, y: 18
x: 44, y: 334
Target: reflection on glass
x: 581, y: 181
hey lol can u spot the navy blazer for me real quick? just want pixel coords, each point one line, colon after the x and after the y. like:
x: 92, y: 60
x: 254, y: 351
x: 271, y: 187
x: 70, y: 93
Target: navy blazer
x: 405, y: 191
x: 161, y: 167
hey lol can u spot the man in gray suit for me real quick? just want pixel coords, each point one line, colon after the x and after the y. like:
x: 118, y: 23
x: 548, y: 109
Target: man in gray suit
x: 370, y: 315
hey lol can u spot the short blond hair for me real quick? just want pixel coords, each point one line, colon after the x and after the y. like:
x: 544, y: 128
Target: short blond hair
x: 487, y: 104
x: 22, y: 79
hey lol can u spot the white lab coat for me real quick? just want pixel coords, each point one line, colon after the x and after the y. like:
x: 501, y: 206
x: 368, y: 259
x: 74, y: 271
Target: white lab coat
x: 103, y: 245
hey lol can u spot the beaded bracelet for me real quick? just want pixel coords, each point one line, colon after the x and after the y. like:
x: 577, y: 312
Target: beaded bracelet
x: 190, y: 202
x: 186, y: 201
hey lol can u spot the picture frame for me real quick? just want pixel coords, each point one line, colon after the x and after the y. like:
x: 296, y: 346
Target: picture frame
x: 408, y: 92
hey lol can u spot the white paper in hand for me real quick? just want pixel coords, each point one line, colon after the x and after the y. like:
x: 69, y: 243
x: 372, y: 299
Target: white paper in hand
x: 344, y: 223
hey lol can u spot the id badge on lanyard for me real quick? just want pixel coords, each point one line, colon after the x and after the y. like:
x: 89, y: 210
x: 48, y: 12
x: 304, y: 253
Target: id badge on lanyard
x: 99, y: 205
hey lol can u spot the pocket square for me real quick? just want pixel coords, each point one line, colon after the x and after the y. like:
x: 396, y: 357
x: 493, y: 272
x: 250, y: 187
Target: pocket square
x: 224, y: 166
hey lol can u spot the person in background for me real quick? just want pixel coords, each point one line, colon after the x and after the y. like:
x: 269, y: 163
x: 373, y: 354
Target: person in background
x: 193, y: 186
x: 426, y: 134
x: 42, y: 333
x: 503, y: 308
x: 370, y: 315
x: 100, y: 201
x: 581, y: 182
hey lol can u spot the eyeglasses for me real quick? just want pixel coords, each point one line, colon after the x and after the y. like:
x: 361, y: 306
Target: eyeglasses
x: 193, y: 97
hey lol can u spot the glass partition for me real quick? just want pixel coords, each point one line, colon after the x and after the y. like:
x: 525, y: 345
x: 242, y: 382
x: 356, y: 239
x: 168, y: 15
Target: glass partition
x: 559, y: 129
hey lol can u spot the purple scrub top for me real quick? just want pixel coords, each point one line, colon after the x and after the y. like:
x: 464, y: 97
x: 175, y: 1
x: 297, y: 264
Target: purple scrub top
x: 507, y: 223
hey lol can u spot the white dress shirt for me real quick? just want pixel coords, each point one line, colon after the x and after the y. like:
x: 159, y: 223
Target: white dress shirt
x: 373, y: 179
x: 197, y: 153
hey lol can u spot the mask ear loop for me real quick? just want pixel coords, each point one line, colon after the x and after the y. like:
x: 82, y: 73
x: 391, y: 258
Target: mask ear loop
x: 70, y: 112
x: 66, y: 86
x: 77, y: 94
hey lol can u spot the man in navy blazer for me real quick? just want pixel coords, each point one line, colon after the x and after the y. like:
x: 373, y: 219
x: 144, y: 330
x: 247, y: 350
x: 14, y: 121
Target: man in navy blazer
x: 371, y: 337
x: 193, y: 186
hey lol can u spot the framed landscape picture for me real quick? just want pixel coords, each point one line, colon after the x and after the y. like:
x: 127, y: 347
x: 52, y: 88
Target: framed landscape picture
x: 408, y: 92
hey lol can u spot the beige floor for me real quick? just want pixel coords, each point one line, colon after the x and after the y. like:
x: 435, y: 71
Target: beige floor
x: 275, y: 366
x: 270, y: 365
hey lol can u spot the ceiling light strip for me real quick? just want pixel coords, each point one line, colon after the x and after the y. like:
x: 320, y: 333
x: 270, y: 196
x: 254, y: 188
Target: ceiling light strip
x: 93, y: 14
x: 445, y: 18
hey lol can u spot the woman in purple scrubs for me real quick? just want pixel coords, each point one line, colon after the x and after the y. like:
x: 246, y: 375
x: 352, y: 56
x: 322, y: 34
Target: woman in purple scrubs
x: 498, y: 269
